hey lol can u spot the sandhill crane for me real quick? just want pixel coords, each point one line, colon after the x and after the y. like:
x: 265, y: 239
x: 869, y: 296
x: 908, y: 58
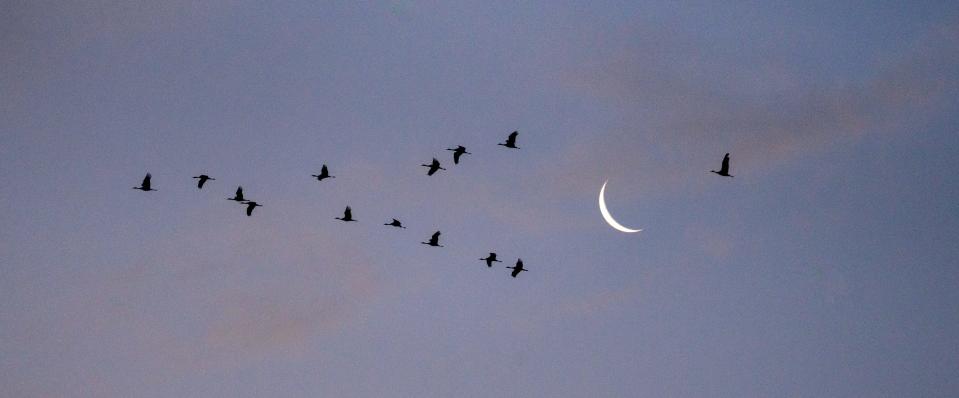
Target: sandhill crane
x: 145, y: 185
x: 250, y: 205
x: 491, y: 259
x: 203, y: 178
x: 324, y: 174
x: 239, y: 196
x: 395, y: 223
x: 435, y: 240
x: 518, y: 268
x: 724, y: 171
x: 457, y: 152
x: 347, y: 215
x: 511, y: 141
x: 433, y: 167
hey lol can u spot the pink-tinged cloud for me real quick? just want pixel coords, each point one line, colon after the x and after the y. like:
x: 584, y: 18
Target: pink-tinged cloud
x: 278, y: 291
x: 676, y: 116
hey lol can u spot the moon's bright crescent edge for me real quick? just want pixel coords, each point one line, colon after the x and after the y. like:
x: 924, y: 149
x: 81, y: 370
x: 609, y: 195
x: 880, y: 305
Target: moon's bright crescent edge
x: 609, y: 218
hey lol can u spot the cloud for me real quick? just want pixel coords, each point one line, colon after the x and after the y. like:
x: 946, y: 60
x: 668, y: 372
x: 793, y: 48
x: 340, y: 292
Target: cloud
x: 267, y: 291
x: 678, y: 108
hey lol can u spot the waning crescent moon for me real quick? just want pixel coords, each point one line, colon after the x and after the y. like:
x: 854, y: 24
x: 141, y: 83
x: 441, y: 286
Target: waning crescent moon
x: 606, y: 216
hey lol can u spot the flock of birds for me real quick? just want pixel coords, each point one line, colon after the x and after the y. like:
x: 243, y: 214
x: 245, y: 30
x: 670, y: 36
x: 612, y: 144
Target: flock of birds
x: 433, y: 167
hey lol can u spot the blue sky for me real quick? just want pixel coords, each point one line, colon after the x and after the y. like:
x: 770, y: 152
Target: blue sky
x: 826, y: 267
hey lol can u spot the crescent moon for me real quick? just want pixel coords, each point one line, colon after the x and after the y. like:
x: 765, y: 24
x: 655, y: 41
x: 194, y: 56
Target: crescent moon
x: 609, y: 218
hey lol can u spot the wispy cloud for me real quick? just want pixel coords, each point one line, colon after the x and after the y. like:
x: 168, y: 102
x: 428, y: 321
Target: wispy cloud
x: 677, y: 116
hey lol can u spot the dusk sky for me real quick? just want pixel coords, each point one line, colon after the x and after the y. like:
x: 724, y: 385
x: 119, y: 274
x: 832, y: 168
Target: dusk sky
x: 827, y: 267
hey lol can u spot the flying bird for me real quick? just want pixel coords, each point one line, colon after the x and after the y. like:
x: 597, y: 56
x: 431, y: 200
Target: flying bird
x: 511, y: 141
x: 145, y: 185
x: 724, y: 171
x: 347, y: 215
x: 457, y: 152
x: 203, y: 178
x: 239, y: 195
x: 324, y: 174
x: 433, y: 167
x: 518, y: 268
x: 395, y: 223
x: 435, y: 240
x: 250, y: 205
x: 491, y: 259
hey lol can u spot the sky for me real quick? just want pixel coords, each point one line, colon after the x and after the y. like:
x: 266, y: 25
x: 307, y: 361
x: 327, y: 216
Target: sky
x: 826, y: 267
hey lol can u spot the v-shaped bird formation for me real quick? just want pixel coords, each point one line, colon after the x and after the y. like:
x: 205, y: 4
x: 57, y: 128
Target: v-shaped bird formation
x: 433, y: 167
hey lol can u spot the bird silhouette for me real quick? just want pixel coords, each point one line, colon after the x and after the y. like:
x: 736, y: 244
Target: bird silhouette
x: 145, y: 185
x: 457, y: 152
x: 239, y: 196
x: 347, y: 215
x: 724, y: 171
x: 395, y: 223
x: 324, y: 174
x: 203, y: 178
x: 433, y: 167
x: 435, y: 240
x: 250, y: 205
x: 511, y: 141
x: 491, y: 259
x: 518, y: 268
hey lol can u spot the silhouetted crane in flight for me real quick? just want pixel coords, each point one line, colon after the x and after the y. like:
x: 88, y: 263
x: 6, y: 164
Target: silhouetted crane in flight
x: 239, y: 195
x: 457, y: 152
x: 203, y: 178
x: 435, y: 240
x: 724, y: 171
x: 145, y: 185
x: 347, y: 215
x: 395, y: 223
x: 518, y: 268
x: 250, y: 205
x: 433, y: 167
x: 511, y: 141
x: 324, y: 174
x: 491, y: 259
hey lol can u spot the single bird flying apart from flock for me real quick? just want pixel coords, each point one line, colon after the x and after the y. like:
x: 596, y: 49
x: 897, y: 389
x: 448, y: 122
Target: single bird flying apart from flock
x: 250, y: 205
x: 511, y: 141
x: 724, y: 170
x: 433, y: 167
x: 457, y: 152
x: 518, y: 268
x: 145, y: 185
x: 347, y: 215
x: 324, y: 174
x: 435, y: 240
x: 203, y: 178
x: 491, y: 259
x: 395, y: 223
x: 239, y: 195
